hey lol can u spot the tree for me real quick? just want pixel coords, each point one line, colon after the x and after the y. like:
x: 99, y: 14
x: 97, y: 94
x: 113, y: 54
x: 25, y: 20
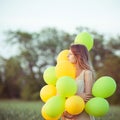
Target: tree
x: 37, y: 52
x: 11, y: 74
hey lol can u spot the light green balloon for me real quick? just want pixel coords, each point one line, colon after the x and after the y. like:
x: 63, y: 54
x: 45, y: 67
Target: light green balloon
x: 55, y: 106
x: 66, y: 86
x: 86, y: 39
x: 104, y: 87
x: 49, y: 75
x: 97, y: 106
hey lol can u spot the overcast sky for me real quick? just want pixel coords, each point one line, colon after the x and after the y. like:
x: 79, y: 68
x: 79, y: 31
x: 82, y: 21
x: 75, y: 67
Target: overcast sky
x: 33, y: 15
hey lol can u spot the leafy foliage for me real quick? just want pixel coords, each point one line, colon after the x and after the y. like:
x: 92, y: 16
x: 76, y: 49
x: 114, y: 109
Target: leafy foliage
x: 21, y: 76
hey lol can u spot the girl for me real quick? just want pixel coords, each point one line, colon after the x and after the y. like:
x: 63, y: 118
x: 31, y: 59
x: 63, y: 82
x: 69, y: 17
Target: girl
x: 79, y: 56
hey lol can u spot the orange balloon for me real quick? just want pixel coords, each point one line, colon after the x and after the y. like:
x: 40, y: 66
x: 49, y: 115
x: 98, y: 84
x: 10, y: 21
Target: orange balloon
x: 47, y: 92
x: 62, y: 55
x: 46, y: 117
x: 74, y: 105
x: 65, y: 68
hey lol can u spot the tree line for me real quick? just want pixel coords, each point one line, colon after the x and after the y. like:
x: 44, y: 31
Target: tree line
x: 21, y: 75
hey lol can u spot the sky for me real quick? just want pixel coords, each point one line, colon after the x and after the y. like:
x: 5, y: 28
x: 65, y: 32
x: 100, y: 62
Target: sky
x: 34, y: 15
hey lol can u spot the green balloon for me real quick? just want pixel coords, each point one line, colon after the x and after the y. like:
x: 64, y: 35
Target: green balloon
x: 66, y: 86
x: 86, y: 39
x: 55, y: 106
x: 49, y: 76
x: 97, y: 106
x: 104, y: 87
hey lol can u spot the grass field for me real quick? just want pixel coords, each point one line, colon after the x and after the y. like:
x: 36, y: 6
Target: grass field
x: 21, y: 110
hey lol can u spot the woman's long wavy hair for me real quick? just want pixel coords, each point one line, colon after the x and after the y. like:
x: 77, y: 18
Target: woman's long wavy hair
x: 82, y: 56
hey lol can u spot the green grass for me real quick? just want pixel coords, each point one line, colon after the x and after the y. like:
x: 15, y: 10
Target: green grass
x: 21, y: 110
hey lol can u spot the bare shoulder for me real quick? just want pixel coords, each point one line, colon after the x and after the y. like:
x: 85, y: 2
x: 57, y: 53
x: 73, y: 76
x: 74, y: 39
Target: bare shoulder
x: 89, y: 75
x: 88, y: 72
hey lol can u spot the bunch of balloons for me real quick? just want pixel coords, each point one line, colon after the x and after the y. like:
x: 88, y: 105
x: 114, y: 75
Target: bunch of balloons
x: 103, y: 88
x: 59, y: 93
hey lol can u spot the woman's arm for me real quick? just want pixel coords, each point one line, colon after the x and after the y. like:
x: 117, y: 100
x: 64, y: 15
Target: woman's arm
x: 88, y: 80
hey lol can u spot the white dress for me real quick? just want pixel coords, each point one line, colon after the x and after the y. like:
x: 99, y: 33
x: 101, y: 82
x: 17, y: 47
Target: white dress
x: 80, y: 86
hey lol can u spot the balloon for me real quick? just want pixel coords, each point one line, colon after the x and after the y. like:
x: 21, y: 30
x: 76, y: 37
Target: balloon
x: 49, y: 75
x: 45, y: 116
x: 74, y: 105
x: 84, y: 38
x: 47, y: 92
x: 97, y: 106
x: 62, y: 55
x: 55, y: 106
x: 65, y: 68
x: 104, y: 87
x: 66, y: 86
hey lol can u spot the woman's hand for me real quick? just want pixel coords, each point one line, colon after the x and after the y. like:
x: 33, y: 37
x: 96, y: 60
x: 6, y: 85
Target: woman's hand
x: 67, y: 115
x: 85, y: 96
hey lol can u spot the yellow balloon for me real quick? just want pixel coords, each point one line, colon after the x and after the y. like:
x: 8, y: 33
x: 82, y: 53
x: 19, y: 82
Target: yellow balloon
x: 46, y: 117
x: 47, y: 92
x: 62, y: 55
x: 65, y: 68
x: 74, y: 105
